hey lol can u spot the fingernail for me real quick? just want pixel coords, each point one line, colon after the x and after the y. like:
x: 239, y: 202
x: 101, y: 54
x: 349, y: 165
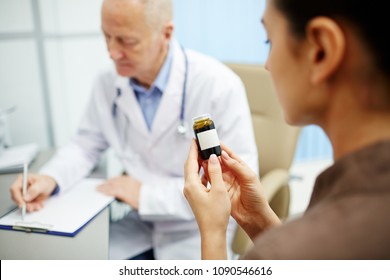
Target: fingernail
x: 225, y: 155
x: 213, y: 159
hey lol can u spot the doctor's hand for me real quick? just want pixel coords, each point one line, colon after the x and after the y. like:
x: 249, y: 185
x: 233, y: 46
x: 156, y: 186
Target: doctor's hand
x: 125, y: 188
x: 211, y: 207
x: 39, y: 188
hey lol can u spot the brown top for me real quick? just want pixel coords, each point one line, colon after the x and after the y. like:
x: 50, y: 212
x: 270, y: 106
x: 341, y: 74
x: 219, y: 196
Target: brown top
x: 347, y: 217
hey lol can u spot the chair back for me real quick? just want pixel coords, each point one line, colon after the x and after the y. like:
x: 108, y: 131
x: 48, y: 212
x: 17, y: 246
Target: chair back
x: 276, y: 143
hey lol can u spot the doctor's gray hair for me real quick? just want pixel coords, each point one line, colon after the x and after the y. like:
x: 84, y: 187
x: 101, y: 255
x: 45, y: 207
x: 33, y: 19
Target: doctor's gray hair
x: 157, y: 12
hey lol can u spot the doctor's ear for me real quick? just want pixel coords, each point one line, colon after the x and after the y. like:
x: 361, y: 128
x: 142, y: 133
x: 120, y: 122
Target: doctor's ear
x: 326, y: 48
x: 168, y: 30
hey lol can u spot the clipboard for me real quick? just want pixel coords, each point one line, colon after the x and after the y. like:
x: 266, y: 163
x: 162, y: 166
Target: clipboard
x: 64, y: 214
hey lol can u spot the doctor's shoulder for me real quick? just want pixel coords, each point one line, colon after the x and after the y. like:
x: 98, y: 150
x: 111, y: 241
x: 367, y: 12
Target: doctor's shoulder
x: 107, y: 74
x: 213, y: 70
x: 105, y: 80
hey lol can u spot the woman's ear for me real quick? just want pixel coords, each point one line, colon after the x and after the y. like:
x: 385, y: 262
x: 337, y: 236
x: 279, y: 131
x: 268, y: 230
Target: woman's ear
x: 327, y: 45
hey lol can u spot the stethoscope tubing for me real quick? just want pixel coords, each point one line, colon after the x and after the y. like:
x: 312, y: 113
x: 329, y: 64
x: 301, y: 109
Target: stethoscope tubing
x: 183, y: 99
x: 184, y: 93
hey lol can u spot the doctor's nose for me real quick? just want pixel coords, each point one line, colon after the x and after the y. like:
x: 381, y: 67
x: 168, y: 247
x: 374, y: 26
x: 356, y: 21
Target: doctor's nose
x: 115, y: 54
x: 114, y: 50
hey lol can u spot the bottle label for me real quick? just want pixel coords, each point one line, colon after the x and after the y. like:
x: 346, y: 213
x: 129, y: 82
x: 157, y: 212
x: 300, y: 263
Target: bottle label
x: 208, y: 139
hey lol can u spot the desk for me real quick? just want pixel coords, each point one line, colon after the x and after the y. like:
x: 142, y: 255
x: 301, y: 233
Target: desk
x: 91, y: 243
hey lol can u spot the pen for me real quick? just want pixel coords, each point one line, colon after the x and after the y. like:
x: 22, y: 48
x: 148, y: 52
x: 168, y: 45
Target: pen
x: 24, y: 188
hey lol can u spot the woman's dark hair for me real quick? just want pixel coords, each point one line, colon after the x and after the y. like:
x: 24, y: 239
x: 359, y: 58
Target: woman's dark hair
x: 371, y: 19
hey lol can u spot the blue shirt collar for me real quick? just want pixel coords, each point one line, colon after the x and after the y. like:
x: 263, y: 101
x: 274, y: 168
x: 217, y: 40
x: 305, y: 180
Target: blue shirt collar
x: 162, y: 78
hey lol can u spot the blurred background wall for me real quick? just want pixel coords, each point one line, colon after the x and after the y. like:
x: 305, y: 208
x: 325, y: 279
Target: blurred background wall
x: 51, y: 50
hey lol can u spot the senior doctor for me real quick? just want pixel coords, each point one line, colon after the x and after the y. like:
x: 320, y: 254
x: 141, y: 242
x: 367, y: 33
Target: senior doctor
x: 143, y: 110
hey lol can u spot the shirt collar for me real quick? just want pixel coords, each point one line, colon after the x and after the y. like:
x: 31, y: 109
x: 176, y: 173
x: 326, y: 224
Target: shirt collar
x: 162, y: 78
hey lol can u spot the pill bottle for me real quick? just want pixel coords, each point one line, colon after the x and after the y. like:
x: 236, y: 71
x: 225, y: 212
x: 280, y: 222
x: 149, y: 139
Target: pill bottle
x: 206, y: 136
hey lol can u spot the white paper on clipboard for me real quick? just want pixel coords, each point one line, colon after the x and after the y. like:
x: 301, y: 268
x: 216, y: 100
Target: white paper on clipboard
x: 64, y: 214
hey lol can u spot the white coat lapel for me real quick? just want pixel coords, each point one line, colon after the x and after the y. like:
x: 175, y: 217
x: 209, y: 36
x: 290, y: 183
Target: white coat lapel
x: 168, y: 113
x: 127, y: 104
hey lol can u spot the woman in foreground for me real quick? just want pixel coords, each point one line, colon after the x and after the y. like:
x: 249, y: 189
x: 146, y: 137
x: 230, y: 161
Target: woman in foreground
x: 330, y: 64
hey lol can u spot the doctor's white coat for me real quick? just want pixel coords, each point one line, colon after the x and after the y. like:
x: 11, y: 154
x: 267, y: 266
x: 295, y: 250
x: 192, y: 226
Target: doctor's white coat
x: 164, y: 219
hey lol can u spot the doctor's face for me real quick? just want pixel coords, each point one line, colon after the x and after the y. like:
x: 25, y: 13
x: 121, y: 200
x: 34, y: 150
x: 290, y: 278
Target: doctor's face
x: 137, y: 49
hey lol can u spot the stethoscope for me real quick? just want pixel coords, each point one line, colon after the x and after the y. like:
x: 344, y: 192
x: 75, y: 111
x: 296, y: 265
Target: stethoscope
x: 182, y: 127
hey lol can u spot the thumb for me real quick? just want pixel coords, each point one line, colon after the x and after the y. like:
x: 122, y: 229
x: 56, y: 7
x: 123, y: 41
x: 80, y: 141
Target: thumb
x: 215, y: 173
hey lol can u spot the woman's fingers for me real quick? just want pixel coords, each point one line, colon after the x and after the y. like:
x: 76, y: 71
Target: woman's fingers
x: 193, y: 187
x: 231, y: 153
x: 215, y: 173
x: 238, y: 168
x: 191, y: 166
